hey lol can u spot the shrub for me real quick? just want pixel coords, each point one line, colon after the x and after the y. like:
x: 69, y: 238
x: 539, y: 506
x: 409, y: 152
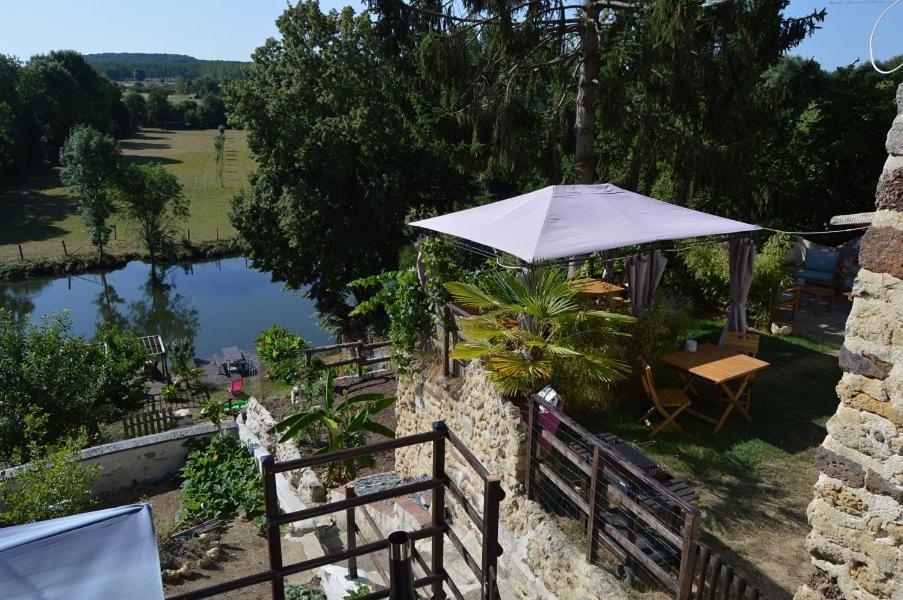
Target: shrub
x: 344, y: 425
x: 70, y: 382
x: 220, y: 479
x: 282, y: 352
x: 55, y: 484
x: 535, y: 327
x: 709, y: 269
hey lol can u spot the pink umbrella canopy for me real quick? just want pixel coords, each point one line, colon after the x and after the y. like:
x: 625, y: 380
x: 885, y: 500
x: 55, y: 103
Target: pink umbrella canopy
x: 573, y: 220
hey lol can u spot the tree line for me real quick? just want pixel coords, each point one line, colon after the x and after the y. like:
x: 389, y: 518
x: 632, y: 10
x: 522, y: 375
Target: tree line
x: 360, y: 121
x: 122, y: 66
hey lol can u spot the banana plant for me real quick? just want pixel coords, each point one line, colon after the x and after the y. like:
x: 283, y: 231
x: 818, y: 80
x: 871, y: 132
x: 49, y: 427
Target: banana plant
x: 533, y: 323
x: 337, y: 425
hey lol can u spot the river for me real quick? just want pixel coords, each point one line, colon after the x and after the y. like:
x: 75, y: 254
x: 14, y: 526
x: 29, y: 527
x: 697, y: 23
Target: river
x: 220, y: 303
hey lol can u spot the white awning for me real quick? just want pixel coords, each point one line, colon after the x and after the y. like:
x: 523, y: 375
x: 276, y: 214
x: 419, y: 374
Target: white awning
x: 573, y: 220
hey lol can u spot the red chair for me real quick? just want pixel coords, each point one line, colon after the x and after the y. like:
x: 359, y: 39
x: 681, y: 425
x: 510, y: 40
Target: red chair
x: 237, y: 386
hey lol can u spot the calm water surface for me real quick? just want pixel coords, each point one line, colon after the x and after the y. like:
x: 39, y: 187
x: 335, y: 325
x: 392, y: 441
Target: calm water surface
x: 220, y: 303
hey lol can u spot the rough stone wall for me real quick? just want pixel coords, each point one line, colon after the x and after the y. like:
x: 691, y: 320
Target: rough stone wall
x: 857, y: 513
x: 538, y: 560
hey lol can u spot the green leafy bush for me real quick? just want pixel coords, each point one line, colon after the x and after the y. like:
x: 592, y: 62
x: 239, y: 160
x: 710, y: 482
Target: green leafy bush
x: 336, y: 426
x: 534, y: 327
x: 282, y: 352
x: 303, y: 592
x: 400, y: 295
x: 710, y: 272
x: 220, y: 479
x: 54, y: 485
x: 69, y: 382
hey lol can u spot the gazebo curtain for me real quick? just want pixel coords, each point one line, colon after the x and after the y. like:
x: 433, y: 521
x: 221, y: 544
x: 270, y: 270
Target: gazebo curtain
x: 742, y: 258
x: 642, y: 286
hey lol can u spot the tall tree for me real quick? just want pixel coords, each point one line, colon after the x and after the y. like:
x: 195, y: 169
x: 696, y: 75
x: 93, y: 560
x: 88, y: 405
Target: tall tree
x: 339, y: 166
x: 137, y: 107
x: 90, y: 161
x: 219, y: 153
x: 157, y: 106
x: 152, y: 199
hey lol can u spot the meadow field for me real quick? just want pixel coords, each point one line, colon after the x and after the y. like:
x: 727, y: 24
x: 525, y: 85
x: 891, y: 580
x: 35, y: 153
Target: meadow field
x: 39, y: 214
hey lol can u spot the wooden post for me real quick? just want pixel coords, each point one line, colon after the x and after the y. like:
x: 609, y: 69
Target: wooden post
x: 189, y: 234
x: 438, y: 509
x: 689, y: 532
x: 351, y: 527
x: 115, y: 233
x: 594, y: 491
x: 274, y: 543
x: 532, y: 445
x: 445, y: 341
x: 492, y: 496
x: 65, y: 252
x: 21, y: 254
x: 359, y: 354
x: 217, y: 234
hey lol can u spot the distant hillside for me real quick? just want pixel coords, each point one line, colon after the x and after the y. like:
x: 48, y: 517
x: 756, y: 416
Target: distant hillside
x: 121, y: 66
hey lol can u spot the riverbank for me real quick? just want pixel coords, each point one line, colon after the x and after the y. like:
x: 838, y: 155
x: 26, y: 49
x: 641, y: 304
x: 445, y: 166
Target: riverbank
x: 184, y: 251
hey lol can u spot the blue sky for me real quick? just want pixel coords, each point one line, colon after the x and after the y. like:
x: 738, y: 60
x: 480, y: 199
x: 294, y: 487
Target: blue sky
x: 231, y: 29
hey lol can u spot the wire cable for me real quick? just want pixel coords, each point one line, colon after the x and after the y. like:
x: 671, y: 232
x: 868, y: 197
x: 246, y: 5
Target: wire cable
x: 872, y: 39
x: 826, y: 232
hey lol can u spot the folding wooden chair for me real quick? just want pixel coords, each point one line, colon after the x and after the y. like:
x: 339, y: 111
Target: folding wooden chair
x: 744, y: 343
x: 670, y: 402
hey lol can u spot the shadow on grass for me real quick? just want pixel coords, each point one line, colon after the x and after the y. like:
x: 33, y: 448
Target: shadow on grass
x: 31, y: 212
x: 142, y: 145
x: 150, y: 160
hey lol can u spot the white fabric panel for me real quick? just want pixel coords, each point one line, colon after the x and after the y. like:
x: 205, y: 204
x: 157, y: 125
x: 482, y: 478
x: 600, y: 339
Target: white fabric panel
x: 96, y: 555
x: 571, y: 220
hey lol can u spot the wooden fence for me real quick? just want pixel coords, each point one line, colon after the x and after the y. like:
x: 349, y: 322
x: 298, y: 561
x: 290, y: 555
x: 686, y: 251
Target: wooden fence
x: 361, y: 355
x: 148, y: 422
x: 433, y: 573
x: 621, y: 502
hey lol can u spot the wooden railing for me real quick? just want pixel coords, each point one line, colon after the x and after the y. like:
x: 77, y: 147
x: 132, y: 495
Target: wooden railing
x: 641, y: 516
x: 148, y: 422
x: 360, y: 359
x: 433, y: 574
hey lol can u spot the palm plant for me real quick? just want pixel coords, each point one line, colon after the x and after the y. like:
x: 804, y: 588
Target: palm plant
x: 533, y: 324
x: 336, y: 426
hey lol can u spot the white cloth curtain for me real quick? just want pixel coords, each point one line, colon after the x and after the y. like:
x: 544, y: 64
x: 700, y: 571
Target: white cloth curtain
x: 742, y: 258
x: 644, y: 272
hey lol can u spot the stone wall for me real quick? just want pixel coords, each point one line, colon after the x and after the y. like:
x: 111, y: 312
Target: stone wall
x: 857, y: 513
x: 126, y: 463
x: 538, y: 560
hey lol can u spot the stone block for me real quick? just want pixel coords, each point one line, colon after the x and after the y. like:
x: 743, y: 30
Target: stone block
x: 878, y: 485
x: 863, y: 364
x: 894, y: 143
x: 889, y: 194
x: 839, y: 467
x: 841, y: 498
x: 882, y: 408
x: 882, y: 251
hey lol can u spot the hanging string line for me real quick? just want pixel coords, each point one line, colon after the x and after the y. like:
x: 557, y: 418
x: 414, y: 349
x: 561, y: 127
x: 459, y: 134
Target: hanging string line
x: 872, y: 38
x: 826, y: 232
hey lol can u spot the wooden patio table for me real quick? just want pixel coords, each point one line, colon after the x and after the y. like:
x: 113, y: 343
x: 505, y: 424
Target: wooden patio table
x: 721, y: 366
x: 596, y: 288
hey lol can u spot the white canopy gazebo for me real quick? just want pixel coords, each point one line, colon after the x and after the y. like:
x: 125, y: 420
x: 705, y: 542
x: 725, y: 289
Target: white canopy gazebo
x: 576, y: 220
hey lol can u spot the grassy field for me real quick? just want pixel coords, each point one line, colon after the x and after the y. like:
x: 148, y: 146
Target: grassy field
x: 754, y: 479
x: 39, y: 214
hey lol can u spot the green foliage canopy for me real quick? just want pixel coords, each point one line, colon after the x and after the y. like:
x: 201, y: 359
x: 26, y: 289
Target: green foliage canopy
x: 153, y: 201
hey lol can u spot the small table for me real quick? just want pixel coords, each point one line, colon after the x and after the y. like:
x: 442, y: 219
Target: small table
x: 234, y: 359
x: 820, y: 293
x: 596, y: 288
x: 720, y: 366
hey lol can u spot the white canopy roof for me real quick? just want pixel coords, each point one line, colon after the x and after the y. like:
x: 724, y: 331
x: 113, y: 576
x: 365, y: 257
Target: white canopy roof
x: 571, y: 220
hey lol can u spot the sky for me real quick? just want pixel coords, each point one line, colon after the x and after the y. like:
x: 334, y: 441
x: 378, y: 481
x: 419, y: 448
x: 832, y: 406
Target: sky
x: 232, y: 29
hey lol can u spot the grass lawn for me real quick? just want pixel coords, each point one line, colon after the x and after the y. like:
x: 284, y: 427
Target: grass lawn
x: 754, y: 479
x: 39, y: 214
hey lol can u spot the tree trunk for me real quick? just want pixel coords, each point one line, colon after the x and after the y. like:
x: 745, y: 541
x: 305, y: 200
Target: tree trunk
x: 587, y: 94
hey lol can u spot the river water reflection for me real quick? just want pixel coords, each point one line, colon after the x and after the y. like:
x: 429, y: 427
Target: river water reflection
x: 221, y: 303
